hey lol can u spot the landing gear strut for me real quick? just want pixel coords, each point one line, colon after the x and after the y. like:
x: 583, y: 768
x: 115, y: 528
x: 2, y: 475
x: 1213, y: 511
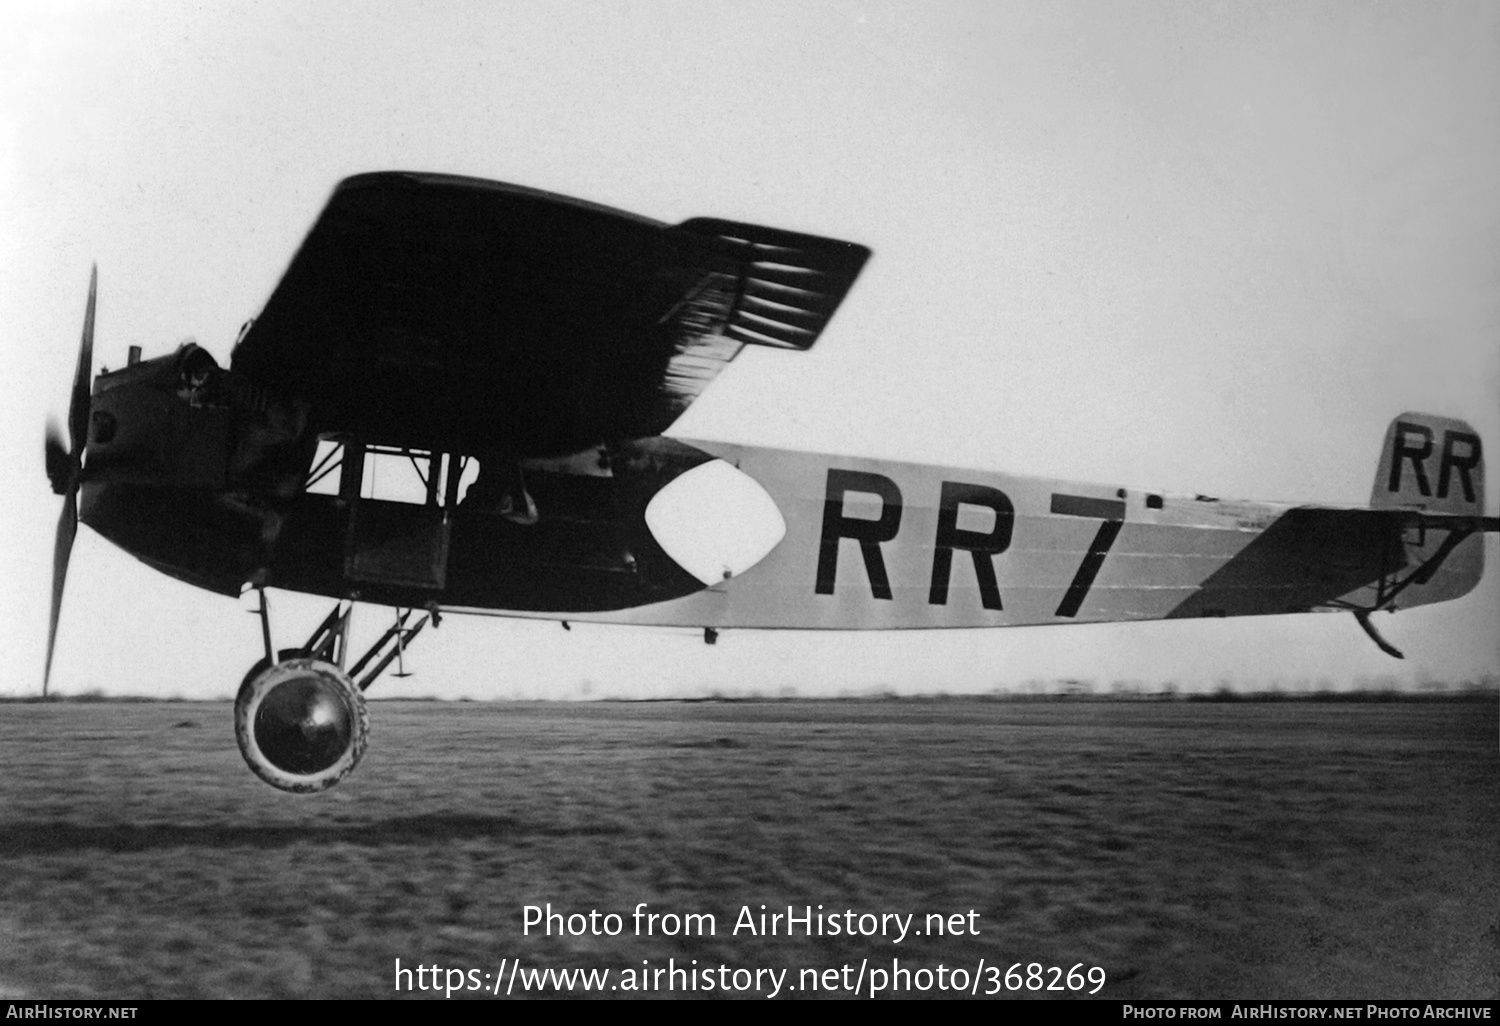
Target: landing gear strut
x: 300, y: 719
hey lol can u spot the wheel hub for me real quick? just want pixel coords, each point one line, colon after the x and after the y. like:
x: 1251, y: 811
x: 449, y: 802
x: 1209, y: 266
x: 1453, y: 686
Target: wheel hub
x: 303, y: 726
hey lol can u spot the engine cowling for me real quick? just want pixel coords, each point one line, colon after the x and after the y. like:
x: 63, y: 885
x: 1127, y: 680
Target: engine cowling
x: 301, y: 724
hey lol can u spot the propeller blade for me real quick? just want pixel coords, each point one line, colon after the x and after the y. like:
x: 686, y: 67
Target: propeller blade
x: 62, y: 549
x: 64, y: 466
x: 78, y: 408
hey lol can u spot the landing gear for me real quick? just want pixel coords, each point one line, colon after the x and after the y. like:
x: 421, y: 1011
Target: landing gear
x: 300, y: 719
x: 301, y: 724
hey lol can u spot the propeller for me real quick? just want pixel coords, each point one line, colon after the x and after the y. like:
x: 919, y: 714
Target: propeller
x: 65, y: 468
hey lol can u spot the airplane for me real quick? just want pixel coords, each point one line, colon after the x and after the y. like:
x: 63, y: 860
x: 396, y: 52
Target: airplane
x: 449, y: 326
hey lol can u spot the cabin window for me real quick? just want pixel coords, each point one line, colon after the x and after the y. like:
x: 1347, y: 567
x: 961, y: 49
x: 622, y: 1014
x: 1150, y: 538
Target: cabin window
x: 387, y: 473
x: 325, y: 474
x: 396, y: 477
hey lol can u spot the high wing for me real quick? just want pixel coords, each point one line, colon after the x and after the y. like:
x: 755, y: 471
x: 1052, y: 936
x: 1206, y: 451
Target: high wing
x: 443, y: 312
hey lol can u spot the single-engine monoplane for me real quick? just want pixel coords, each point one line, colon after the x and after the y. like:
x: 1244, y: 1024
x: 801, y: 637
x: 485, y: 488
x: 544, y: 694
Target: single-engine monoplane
x: 522, y: 353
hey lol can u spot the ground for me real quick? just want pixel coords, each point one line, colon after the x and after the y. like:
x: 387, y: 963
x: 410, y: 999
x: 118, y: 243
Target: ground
x: 1215, y: 850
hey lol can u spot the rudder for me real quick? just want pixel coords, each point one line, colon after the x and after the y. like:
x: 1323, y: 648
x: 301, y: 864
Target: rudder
x: 1435, y: 465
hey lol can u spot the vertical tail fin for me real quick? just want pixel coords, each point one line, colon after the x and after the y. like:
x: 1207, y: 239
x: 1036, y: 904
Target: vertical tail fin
x: 1430, y: 463
x: 1434, y: 465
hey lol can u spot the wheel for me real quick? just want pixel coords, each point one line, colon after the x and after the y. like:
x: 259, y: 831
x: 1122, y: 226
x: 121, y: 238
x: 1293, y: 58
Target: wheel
x: 262, y: 664
x: 301, y: 724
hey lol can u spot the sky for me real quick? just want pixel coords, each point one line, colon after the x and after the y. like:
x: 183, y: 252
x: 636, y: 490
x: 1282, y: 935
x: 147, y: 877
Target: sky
x: 1190, y: 247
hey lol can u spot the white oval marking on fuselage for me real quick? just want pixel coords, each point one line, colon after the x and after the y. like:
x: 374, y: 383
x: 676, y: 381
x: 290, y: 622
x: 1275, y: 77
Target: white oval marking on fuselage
x: 715, y: 521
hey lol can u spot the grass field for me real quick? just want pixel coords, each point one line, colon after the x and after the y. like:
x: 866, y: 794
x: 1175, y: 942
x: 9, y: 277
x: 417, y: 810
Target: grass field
x: 1293, y: 849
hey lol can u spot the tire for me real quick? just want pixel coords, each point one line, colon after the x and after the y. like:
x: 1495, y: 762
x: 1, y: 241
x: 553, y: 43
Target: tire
x: 262, y: 664
x: 301, y: 724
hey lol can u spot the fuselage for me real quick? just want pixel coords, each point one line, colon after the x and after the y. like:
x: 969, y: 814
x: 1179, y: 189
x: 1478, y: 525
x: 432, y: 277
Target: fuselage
x: 645, y: 532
